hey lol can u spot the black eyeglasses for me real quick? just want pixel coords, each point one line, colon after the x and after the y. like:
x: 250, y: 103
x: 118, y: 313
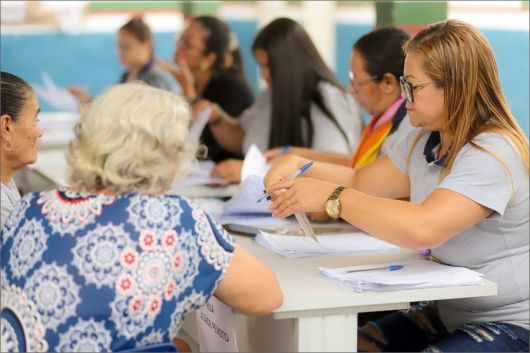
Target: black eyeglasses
x: 409, y: 88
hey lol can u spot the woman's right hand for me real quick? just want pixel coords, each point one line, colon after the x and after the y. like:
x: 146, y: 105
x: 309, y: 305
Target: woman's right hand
x: 182, y: 74
x: 79, y: 93
x: 282, y: 168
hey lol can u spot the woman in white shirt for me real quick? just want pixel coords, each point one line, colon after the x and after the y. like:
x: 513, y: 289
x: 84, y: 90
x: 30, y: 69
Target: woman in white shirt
x: 304, y: 104
x: 19, y: 135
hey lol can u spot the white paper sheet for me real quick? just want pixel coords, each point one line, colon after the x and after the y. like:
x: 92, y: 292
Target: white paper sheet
x: 199, y: 124
x: 414, y: 275
x: 245, y: 201
x: 215, y: 326
x: 254, y: 163
x: 293, y: 246
x: 199, y: 174
x: 57, y: 97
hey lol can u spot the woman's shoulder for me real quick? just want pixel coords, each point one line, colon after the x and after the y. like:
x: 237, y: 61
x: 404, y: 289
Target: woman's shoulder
x: 329, y: 88
x: 335, y: 95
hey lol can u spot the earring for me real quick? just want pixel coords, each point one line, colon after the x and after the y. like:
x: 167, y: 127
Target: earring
x: 204, y: 66
x: 8, y: 146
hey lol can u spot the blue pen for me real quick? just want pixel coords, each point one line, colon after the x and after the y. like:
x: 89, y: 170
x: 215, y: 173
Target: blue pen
x: 294, y: 176
x: 286, y: 149
x: 388, y: 268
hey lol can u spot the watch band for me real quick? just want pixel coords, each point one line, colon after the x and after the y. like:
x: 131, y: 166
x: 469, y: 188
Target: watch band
x: 336, y: 193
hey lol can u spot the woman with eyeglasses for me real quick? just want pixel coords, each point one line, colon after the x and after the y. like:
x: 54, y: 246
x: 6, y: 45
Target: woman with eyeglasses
x: 208, y: 65
x: 136, y: 54
x: 466, y: 173
x: 376, y: 63
x: 303, y: 105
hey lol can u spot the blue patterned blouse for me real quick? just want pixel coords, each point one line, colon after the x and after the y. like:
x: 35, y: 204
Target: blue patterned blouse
x: 94, y: 273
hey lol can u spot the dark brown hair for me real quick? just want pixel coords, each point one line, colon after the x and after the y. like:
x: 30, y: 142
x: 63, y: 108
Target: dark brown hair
x: 139, y: 30
x: 14, y: 93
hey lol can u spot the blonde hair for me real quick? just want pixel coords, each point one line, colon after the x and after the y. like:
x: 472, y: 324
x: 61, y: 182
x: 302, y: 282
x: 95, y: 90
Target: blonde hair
x: 461, y: 60
x: 132, y: 138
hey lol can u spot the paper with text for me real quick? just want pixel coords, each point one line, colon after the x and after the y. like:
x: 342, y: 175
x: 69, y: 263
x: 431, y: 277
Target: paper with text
x: 215, y: 326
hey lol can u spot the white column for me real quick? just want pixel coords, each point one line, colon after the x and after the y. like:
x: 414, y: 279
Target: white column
x: 266, y: 11
x: 319, y: 22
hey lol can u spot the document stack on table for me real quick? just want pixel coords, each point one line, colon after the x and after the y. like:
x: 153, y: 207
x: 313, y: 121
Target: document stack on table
x: 293, y: 246
x: 416, y: 274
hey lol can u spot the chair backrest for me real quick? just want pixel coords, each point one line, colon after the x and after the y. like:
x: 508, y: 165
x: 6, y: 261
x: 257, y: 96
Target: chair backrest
x: 153, y: 348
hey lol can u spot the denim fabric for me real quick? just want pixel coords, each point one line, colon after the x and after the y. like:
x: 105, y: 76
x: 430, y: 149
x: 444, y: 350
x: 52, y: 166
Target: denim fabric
x: 419, y: 328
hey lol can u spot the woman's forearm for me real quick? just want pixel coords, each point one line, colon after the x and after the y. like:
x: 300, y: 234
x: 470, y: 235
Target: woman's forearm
x: 228, y: 133
x: 322, y: 156
x: 395, y: 221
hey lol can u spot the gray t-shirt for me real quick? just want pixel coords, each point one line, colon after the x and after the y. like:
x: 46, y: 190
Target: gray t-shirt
x: 256, y: 121
x: 9, y: 196
x: 498, y: 246
x: 395, y: 138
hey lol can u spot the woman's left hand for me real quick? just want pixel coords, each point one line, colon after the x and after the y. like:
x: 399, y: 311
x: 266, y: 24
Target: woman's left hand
x: 299, y: 195
x: 229, y: 169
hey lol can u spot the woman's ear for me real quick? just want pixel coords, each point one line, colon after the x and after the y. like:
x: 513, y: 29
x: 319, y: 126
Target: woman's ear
x: 208, y: 61
x: 390, y: 83
x: 5, y: 127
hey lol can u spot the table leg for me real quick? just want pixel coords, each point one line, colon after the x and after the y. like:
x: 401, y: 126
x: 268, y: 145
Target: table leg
x: 328, y: 333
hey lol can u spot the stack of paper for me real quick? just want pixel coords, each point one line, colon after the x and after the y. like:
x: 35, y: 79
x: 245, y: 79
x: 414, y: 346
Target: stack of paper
x: 245, y: 201
x: 199, y: 174
x: 414, y: 275
x: 293, y: 246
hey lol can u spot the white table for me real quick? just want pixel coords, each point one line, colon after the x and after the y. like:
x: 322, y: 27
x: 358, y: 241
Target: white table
x: 58, y: 129
x: 319, y: 316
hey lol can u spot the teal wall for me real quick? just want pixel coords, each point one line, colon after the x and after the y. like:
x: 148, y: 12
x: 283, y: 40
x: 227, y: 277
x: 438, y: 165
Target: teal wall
x: 90, y: 59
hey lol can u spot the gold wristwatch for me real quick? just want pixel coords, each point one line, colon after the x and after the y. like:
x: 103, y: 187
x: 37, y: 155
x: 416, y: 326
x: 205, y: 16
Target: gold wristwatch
x: 333, y: 206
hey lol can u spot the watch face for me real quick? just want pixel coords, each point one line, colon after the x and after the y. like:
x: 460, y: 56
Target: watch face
x: 333, y: 208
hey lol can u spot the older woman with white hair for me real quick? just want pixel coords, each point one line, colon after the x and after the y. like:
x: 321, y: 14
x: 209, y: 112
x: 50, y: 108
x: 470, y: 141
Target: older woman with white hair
x: 114, y: 263
x: 19, y: 136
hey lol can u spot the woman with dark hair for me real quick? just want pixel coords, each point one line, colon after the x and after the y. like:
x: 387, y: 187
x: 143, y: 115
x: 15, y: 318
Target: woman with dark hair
x: 376, y: 63
x: 209, y: 66
x: 304, y: 104
x: 136, y: 53
x: 19, y: 135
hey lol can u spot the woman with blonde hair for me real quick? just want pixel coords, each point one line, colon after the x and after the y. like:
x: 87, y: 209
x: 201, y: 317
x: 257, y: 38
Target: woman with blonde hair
x: 114, y: 263
x: 466, y: 174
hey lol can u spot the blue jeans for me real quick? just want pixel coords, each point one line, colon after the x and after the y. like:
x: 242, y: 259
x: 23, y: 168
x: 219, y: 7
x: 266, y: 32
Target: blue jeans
x: 419, y: 328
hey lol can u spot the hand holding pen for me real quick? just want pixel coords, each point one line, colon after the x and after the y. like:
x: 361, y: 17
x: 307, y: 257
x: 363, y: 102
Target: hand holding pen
x: 294, y: 176
x: 300, y: 216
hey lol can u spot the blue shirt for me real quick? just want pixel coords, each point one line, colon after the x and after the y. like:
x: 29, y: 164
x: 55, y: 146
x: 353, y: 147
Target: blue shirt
x: 93, y: 273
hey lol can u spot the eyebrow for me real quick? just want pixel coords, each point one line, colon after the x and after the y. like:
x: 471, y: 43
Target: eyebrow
x: 407, y: 76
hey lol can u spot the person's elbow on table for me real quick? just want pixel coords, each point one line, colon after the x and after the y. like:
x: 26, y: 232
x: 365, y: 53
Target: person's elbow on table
x: 249, y: 287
